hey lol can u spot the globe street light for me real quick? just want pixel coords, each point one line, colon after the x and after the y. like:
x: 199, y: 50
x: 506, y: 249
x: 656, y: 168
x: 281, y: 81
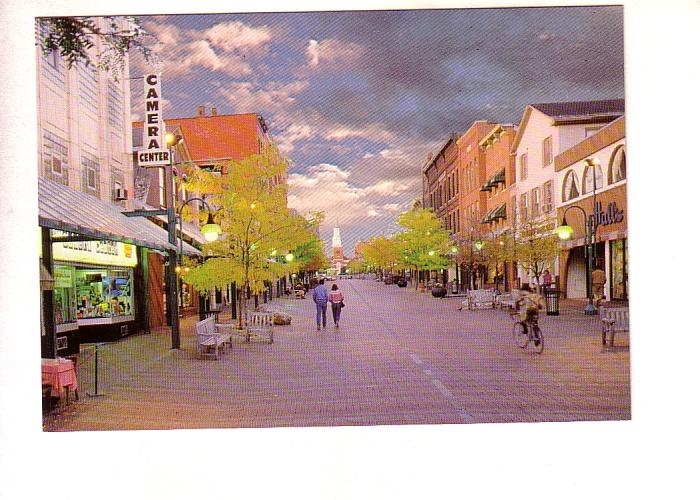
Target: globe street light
x: 211, y: 230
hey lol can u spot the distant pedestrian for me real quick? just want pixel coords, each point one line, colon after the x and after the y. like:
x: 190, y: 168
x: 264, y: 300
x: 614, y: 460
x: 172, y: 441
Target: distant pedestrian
x: 547, y: 279
x: 320, y: 296
x: 598, y: 280
x: 337, y: 303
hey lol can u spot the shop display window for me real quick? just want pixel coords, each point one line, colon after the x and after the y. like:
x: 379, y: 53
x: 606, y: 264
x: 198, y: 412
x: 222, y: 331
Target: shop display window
x: 619, y: 269
x: 103, y: 293
x: 65, y: 309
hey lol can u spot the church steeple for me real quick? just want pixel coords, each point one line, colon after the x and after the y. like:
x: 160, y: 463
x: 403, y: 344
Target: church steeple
x: 336, y: 238
x: 338, y: 257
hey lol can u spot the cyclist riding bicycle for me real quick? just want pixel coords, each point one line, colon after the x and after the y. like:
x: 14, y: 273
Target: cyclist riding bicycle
x: 528, y: 304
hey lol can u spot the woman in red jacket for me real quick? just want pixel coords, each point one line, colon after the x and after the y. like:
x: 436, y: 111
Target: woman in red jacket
x: 336, y: 299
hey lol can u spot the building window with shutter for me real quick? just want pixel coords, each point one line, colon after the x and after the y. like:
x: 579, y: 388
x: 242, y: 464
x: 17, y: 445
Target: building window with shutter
x: 524, y: 215
x: 547, y: 197
x: 547, y: 151
x: 535, y: 202
x: 523, y: 166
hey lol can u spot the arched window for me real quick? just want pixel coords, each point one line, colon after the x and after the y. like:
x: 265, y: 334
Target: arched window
x: 570, y: 187
x: 618, y: 166
x: 588, y: 179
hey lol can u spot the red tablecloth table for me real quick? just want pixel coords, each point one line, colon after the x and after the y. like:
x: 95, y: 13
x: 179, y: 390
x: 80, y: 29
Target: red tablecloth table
x: 59, y: 373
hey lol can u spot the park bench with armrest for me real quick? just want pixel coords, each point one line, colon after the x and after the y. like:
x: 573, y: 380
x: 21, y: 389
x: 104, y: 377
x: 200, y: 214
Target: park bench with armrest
x: 615, y: 320
x: 209, y: 337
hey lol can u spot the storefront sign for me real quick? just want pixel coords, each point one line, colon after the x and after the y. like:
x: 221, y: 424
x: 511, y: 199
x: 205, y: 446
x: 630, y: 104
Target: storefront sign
x: 156, y: 153
x: 612, y: 214
x: 96, y: 252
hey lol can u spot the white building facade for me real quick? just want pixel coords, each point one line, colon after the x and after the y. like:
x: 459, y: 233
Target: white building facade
x: 544, y: 131
x: 84, y: 127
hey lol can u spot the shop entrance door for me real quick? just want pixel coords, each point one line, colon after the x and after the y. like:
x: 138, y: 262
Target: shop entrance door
x: 576, y: 274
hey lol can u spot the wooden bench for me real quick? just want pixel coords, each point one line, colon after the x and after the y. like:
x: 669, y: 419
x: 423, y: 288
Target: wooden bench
x: 481, y: 298
x: 615, y: 320
x: 209, y: 337
x: 259, y: 325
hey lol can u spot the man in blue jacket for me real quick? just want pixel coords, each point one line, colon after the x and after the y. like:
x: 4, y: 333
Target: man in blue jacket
x: 320, y: 296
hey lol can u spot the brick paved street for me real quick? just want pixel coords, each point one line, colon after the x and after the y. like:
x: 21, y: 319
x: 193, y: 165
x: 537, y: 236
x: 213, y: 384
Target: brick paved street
x: 399, y: 357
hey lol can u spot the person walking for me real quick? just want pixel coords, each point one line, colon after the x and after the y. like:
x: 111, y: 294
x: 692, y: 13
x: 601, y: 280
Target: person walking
x: 320, y: 297
x: 547, y: 279
x: 337, y: 303
x: 598, y: 280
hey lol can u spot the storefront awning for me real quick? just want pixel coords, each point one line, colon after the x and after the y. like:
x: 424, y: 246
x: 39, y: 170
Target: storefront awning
x: 500, y: 212
x: 66, y: 209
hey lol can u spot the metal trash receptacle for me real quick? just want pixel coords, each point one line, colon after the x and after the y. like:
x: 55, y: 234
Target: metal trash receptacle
x: 551, y: 300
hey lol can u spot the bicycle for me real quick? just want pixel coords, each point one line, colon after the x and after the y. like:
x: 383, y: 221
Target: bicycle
x: 528, y: 331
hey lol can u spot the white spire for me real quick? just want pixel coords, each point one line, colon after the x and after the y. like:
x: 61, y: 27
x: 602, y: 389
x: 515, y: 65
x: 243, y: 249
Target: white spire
x: 336, y: 238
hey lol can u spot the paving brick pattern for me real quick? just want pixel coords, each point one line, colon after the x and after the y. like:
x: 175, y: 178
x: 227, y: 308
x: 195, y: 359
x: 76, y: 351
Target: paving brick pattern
x: 399, y: 357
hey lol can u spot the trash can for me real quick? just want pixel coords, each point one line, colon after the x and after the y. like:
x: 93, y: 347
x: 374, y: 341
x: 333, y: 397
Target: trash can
x: 551, y: 301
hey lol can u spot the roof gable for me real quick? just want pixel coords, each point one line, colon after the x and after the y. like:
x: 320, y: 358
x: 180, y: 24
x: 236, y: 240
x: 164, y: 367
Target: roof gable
x: 581, y: 108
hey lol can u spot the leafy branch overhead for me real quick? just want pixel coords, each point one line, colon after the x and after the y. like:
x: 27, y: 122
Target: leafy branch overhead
x: 99, y: 42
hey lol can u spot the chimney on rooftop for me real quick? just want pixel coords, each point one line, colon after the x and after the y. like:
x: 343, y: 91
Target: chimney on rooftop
x: 200, y: 111
x: 214, y: 112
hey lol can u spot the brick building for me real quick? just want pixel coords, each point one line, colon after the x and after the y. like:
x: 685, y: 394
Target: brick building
x: 499, y: 170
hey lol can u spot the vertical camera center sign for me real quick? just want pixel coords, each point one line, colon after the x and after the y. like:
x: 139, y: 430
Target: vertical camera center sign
x: 156, y: 153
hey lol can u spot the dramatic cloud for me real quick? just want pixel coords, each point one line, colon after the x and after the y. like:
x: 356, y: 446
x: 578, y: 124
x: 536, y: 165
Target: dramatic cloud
x: 291, y: 135
x: 236, y: 36
x: 332, y: 53
x: 245, y: 97
x: 373, y: 132
x: 359, y: 99
x: 329, y: 188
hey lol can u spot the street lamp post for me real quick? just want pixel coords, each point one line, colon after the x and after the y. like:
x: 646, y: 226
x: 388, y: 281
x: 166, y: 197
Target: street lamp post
x: 479, y: 245
x: 171, y: 140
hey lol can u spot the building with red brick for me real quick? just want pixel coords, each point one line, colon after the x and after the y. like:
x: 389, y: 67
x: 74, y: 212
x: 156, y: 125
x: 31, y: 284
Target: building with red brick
x: 207, y: 141
x: 499, y: 172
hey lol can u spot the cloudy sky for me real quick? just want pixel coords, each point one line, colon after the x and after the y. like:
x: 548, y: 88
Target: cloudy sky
x: 358, y: 100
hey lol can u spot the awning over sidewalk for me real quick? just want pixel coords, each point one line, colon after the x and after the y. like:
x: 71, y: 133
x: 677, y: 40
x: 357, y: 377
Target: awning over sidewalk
x: 66, y: 209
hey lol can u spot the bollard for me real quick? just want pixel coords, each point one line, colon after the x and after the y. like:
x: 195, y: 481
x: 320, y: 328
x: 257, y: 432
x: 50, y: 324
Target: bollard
x: 96, y: 393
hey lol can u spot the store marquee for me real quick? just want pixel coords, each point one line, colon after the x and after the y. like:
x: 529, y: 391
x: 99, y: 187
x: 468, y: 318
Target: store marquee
x: 109, y: 253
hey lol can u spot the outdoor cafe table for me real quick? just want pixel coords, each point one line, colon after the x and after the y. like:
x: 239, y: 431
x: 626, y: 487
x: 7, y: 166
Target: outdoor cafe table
x: 59, y: 373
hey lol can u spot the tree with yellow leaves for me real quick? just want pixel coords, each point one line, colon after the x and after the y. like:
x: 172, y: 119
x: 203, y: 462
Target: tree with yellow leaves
x: 258, y: 230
